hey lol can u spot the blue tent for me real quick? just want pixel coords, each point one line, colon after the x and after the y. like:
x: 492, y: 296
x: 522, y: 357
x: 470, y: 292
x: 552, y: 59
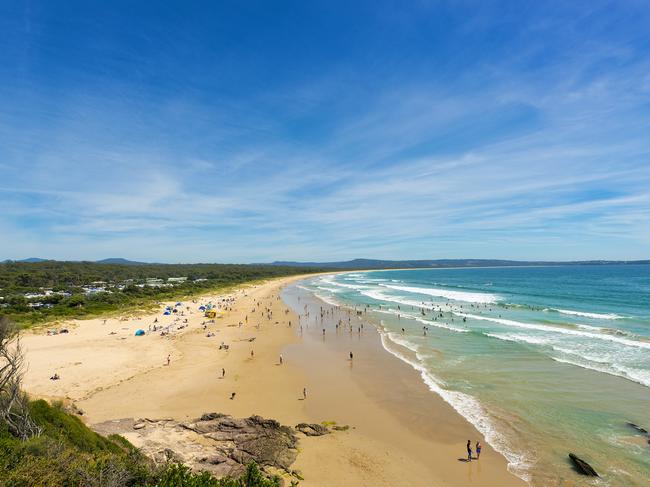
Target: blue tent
x: 202, y: 308
x: 139, y: 333
x: 167, y: 313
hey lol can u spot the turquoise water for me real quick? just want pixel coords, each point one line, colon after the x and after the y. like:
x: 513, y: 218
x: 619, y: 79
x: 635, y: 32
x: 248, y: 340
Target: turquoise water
x: 542, y: 360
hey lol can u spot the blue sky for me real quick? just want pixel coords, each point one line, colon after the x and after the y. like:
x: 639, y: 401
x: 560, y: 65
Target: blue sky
x: 253, y: 131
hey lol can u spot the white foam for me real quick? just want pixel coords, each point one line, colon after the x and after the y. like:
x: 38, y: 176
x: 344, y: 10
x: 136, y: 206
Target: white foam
x: 327, y: 299
x: 328, y: 289
x: 439, y: 324
x: 467, y: 406
x: 635, y: 375
x: 332, y: 282
x: 434, y: 323
x: 511, y: 337
x: 597, y: 316
x: 554, y: 329
x: 482, y: 298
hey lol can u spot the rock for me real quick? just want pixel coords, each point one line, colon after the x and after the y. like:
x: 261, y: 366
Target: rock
x: 211, y: 416
x: 582, y: 467
x: 312, y: 429
x: 637, y: 428
x: 217, y: 443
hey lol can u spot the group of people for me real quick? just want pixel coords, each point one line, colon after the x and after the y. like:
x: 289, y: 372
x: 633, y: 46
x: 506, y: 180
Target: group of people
x: 469, y: 450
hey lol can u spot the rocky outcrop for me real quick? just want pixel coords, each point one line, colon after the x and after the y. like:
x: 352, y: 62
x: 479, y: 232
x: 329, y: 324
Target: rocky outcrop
x: 242, y: 441
x: 218, y: 443
x: 582, y: 467
x: 639, y: 430
x: 312, y: 429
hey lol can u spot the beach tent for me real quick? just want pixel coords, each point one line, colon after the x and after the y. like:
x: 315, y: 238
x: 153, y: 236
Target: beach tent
x: 201, y: 308
x: 167, y: 312
x: 139, y: 333
x: 179, y: 304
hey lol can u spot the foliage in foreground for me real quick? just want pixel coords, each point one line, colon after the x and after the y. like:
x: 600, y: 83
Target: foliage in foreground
x: 179, y: 475
x: 68, y: 453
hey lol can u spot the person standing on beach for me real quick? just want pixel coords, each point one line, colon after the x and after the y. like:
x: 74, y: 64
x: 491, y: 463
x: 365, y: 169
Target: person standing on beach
x: 351, y: 355
x: 169, y: 359
x: 304, y: 393
x: 469, y: 451
x: 281, y: 359
x: 478, y: 450
x: 223, y: 372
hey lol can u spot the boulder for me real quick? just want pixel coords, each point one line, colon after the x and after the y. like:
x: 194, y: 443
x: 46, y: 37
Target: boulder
x: 582, y: 467
x: 637, y: 428
x: 312, y: 429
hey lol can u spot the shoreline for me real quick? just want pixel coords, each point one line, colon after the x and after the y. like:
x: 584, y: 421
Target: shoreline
x: 427, y: 428
x: 119, y: 376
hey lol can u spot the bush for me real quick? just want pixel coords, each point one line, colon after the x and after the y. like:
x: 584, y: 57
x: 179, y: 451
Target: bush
x: 176, y: 475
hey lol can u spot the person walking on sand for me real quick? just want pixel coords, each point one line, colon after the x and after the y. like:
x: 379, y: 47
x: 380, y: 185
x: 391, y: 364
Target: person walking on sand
x: 169, y: 359
x: 304, y: 393
x: 478, y: 450
x: 351, y: 355
x: 223, y: 372
x: 281, y: 359
x: 469, y: 451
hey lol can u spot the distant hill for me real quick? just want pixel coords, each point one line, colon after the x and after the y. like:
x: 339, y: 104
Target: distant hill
x: 111, y: 260
x: 413, y: 264
x: 119, y: 260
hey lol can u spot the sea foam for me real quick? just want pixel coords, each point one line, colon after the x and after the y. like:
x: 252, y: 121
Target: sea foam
x: 468, y: 297
x: 584, y: 314
x: 467, y: 406
x: 554, y: 329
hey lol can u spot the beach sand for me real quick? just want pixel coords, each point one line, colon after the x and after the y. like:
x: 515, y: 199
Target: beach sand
x: 400, y: 432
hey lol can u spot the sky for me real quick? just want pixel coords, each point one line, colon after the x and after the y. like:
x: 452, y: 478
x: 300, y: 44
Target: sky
x: 242, y: 131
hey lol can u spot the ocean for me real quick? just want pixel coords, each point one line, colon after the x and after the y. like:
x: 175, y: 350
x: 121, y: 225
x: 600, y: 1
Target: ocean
x: 542, y: 360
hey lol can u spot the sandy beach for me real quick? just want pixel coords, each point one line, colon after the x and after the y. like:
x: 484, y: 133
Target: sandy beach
x: 400, y: 432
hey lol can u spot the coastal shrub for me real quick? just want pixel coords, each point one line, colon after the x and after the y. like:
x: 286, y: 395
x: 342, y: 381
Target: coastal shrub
x: 69, y: 453
x: 58, y: 424
x: 177, y: 475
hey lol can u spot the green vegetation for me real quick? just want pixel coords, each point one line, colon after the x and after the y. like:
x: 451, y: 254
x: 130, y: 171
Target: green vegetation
x: 176, y: 475
x: 45, y: 291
